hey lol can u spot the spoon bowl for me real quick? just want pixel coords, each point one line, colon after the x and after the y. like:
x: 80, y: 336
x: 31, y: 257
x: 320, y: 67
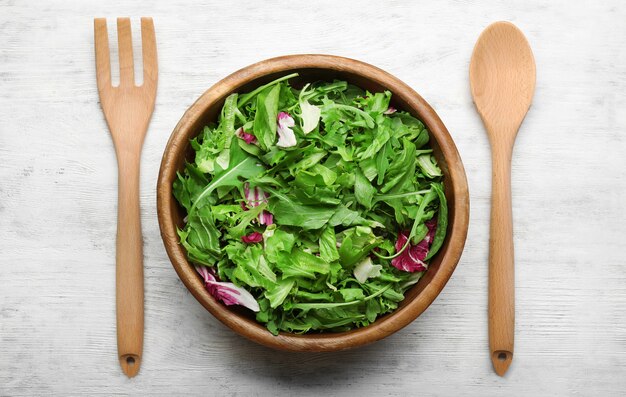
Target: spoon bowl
x: 502, y: 78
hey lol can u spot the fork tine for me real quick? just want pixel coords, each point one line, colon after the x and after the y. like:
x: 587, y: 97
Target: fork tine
x: 125, y: 46
x: 101, y: 45
x: 148, y: 44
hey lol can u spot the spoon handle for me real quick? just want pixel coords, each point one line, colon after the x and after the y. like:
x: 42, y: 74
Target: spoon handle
x: 501, y: 266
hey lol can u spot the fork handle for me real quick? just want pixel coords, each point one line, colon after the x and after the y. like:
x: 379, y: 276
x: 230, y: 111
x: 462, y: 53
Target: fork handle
x: 501, y: 265
x: 129, y: 266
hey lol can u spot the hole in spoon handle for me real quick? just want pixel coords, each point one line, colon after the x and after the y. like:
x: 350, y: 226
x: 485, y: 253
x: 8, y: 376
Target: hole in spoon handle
x: 501, y: 360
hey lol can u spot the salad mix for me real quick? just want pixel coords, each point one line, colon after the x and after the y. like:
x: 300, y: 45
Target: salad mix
x: 316, y: 208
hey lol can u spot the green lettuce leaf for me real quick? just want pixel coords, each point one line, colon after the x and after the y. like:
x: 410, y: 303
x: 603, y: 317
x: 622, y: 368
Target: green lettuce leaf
x: 328, y: 245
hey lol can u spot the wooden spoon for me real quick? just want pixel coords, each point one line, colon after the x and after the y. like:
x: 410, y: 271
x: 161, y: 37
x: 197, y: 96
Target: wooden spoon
x: 502, y: 79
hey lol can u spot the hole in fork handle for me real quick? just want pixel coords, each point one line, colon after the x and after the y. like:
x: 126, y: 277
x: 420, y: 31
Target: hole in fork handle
x: 130, y: 364
x: 501, y: 360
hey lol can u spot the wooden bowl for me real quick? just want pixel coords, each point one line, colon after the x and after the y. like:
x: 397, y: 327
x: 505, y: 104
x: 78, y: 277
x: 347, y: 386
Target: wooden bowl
x: 311, y: 68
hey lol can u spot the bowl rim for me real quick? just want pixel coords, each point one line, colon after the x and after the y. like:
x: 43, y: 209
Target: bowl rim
x: 252, y: 330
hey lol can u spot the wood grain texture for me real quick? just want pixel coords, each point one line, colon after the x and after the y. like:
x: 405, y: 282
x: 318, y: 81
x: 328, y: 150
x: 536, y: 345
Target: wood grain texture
x: 127, y: 109
x: 58, y: 189
x: 502, y: 80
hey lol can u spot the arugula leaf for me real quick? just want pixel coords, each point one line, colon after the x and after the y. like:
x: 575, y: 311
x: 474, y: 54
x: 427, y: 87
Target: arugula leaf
x: 279, y: 293
x: 383, y: 134
x: 187, y: 189
x: 402, y: 168
x: 382, y: 162
x: 250, y: 269
x: 277, y: 243
x: 334, y: 111
x: 214, y: 149
x: 375, y: 103
x: 363, y: 189
x: 314, y: 156
x: 317, y: 196
x: 289, y: 211
x: 245, y: 98
x: 356, y: 243
x: 352, y: 294
x: 408, y: 127
x: 266, y: 115
x: 241, y: 166
x: 245, y: 218
x: 428, y: 165
x: 344, y: 216
x: 302, y: 264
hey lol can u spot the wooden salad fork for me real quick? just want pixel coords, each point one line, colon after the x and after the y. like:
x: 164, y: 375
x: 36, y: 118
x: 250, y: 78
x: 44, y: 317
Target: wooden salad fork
x: 127, y: 109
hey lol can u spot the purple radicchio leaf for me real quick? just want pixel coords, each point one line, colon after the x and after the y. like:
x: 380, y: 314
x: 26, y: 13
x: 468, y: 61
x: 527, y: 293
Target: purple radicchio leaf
x: 266, y: 218
x: 254, y: 198
x: 247, y: 137
x: 390, y: 110
x: 412, y: 259
x: 228, y: 293
x: 254, y: 237
x: 286, y: 137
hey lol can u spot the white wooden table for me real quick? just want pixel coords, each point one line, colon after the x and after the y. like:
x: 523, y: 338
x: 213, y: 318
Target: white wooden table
x: 58, y: 201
